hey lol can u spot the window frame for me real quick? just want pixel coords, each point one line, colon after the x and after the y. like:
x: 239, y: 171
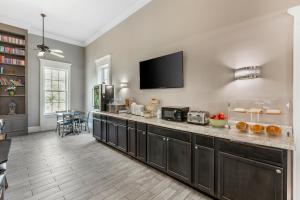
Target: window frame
x: 101, y: 64
x: 54, y: 65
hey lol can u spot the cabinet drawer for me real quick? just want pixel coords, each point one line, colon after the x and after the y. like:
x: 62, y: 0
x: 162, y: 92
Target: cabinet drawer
x: 258, y: 153
x: 131, y: 124
x: 204, y: 141
x: 141, y: 126
x: 117, y: 121
x: 176, y: 134
x: 96, y: 116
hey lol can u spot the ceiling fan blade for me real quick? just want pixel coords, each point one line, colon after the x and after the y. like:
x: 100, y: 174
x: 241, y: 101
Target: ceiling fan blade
x: 56, y: 54
x: 41, y: 54
x: 56, y: 50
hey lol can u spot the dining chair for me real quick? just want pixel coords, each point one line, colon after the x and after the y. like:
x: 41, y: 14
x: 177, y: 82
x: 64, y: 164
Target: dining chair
x: 59, y: 121
x: 85, y: 121
x: 77, y: 120
x: 67, y: 124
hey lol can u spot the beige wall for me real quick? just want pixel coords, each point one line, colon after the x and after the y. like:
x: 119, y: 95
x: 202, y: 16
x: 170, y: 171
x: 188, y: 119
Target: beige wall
x: 215, y: 36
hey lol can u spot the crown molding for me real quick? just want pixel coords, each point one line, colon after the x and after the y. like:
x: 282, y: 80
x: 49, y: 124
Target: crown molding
x: 117, y: 20
x: 60, y: 38
x: 107, y: 27
x: 35, y: 31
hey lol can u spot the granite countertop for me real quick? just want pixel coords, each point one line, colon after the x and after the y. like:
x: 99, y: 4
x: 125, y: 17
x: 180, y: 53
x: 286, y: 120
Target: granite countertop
x: 282, y: 142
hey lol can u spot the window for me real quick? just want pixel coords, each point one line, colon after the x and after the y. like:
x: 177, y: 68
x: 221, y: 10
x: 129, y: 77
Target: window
x: 55, y: 87
x: 103, y: 74
x: 55, y: 90
x: 103, y: 70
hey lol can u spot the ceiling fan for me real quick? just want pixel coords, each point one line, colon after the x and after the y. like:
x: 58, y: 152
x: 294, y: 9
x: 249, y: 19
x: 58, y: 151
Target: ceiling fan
x: 43, y: 49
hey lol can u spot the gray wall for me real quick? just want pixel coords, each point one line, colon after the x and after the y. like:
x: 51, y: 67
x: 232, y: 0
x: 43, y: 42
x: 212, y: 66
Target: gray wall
x: 74, y: 55
x: 216, y: 36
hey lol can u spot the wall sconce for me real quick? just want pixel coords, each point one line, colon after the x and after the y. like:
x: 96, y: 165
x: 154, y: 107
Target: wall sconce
x: 124, y: 85
x: 250, y: 72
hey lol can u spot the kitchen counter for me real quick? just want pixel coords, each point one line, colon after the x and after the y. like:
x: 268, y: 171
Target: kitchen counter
x: 283, y: 142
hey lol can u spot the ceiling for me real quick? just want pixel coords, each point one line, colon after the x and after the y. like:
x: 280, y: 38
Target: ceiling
x: 77, y: 22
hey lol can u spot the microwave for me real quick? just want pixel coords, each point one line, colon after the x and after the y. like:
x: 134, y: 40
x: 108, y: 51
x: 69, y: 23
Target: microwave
x: 178, y: 114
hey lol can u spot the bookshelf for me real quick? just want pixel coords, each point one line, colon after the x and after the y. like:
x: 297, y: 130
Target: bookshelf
x: 13, y: 74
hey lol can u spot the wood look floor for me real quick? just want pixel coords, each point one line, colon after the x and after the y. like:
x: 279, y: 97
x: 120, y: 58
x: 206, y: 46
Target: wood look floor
x: 45, y: 166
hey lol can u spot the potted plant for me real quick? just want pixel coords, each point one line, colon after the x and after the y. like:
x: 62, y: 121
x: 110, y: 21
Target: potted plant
x: 11, y: 90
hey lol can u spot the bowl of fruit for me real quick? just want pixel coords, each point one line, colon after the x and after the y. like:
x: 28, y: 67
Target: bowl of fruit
x: 218, y: 121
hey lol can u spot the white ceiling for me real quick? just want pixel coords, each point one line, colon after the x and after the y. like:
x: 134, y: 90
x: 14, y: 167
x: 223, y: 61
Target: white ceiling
x: 77, y: 22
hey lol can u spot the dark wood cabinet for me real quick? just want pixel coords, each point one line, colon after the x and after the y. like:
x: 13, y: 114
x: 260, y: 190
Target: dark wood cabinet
x: 179, y: 159
x: 204, y: 163
x: 251, y: 172
x: 168, y: 153
x: 97, y: 128
x: 157, y: 151
x: 224, y: 169
x: 121, y: 137
x: 141, y: 150
x: 103, y: 130
x: 204, y: 168
x: 132, y: 141
x: 111, y: 133
x: 241, y: 178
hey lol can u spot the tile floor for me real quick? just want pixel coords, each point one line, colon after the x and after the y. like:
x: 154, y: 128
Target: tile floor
x: 45, y: 166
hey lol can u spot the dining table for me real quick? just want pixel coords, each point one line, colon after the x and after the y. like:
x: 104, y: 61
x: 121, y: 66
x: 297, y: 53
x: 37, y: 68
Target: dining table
x: 72, y: 113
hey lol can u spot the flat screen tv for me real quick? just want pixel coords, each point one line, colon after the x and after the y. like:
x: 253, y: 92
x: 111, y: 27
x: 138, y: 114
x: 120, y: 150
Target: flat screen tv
x: 162, y: 72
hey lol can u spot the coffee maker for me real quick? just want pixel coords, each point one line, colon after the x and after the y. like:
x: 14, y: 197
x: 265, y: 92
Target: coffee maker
x: 102, y: 95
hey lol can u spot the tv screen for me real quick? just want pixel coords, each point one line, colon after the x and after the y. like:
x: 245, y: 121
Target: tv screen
x: 162, y: 72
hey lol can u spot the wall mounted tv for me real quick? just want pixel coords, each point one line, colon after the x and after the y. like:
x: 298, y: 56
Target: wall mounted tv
x: 162, y: 72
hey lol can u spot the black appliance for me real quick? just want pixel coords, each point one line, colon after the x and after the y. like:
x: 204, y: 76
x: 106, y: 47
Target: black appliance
x: 162, y: 72
x: 178, y: 114
x: 102, y: 96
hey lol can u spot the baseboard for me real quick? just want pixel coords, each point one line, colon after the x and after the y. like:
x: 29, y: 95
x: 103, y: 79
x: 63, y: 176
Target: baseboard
x: 34, y: 129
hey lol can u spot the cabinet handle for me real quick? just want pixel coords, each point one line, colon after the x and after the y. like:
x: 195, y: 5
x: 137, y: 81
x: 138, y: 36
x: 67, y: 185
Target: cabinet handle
x: 278, y: 171
x: 143, y: 133
x: 167, y: 139
x: 196, y: 147
x: 164, y: 139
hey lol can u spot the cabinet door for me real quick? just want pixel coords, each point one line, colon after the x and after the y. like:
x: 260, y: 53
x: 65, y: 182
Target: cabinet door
x: 111, y: 134
x: 103, y: 131
x: 179, y: 159
x: 157, y: 151
x: 241, y: 178
x: 141, y: 151
x: 96, y: 129
x: 132, y: 141
x: 204, y: 168
x: 122, y: 137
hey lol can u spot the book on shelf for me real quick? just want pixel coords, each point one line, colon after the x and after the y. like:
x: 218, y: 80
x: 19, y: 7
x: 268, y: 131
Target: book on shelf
x: 11, y: 61
x: 12, y: 40
x: 5, y: 82
x: 10, y: 50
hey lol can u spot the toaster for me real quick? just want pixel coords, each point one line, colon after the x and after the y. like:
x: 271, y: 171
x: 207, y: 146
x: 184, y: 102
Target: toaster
x: 198, y: 117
